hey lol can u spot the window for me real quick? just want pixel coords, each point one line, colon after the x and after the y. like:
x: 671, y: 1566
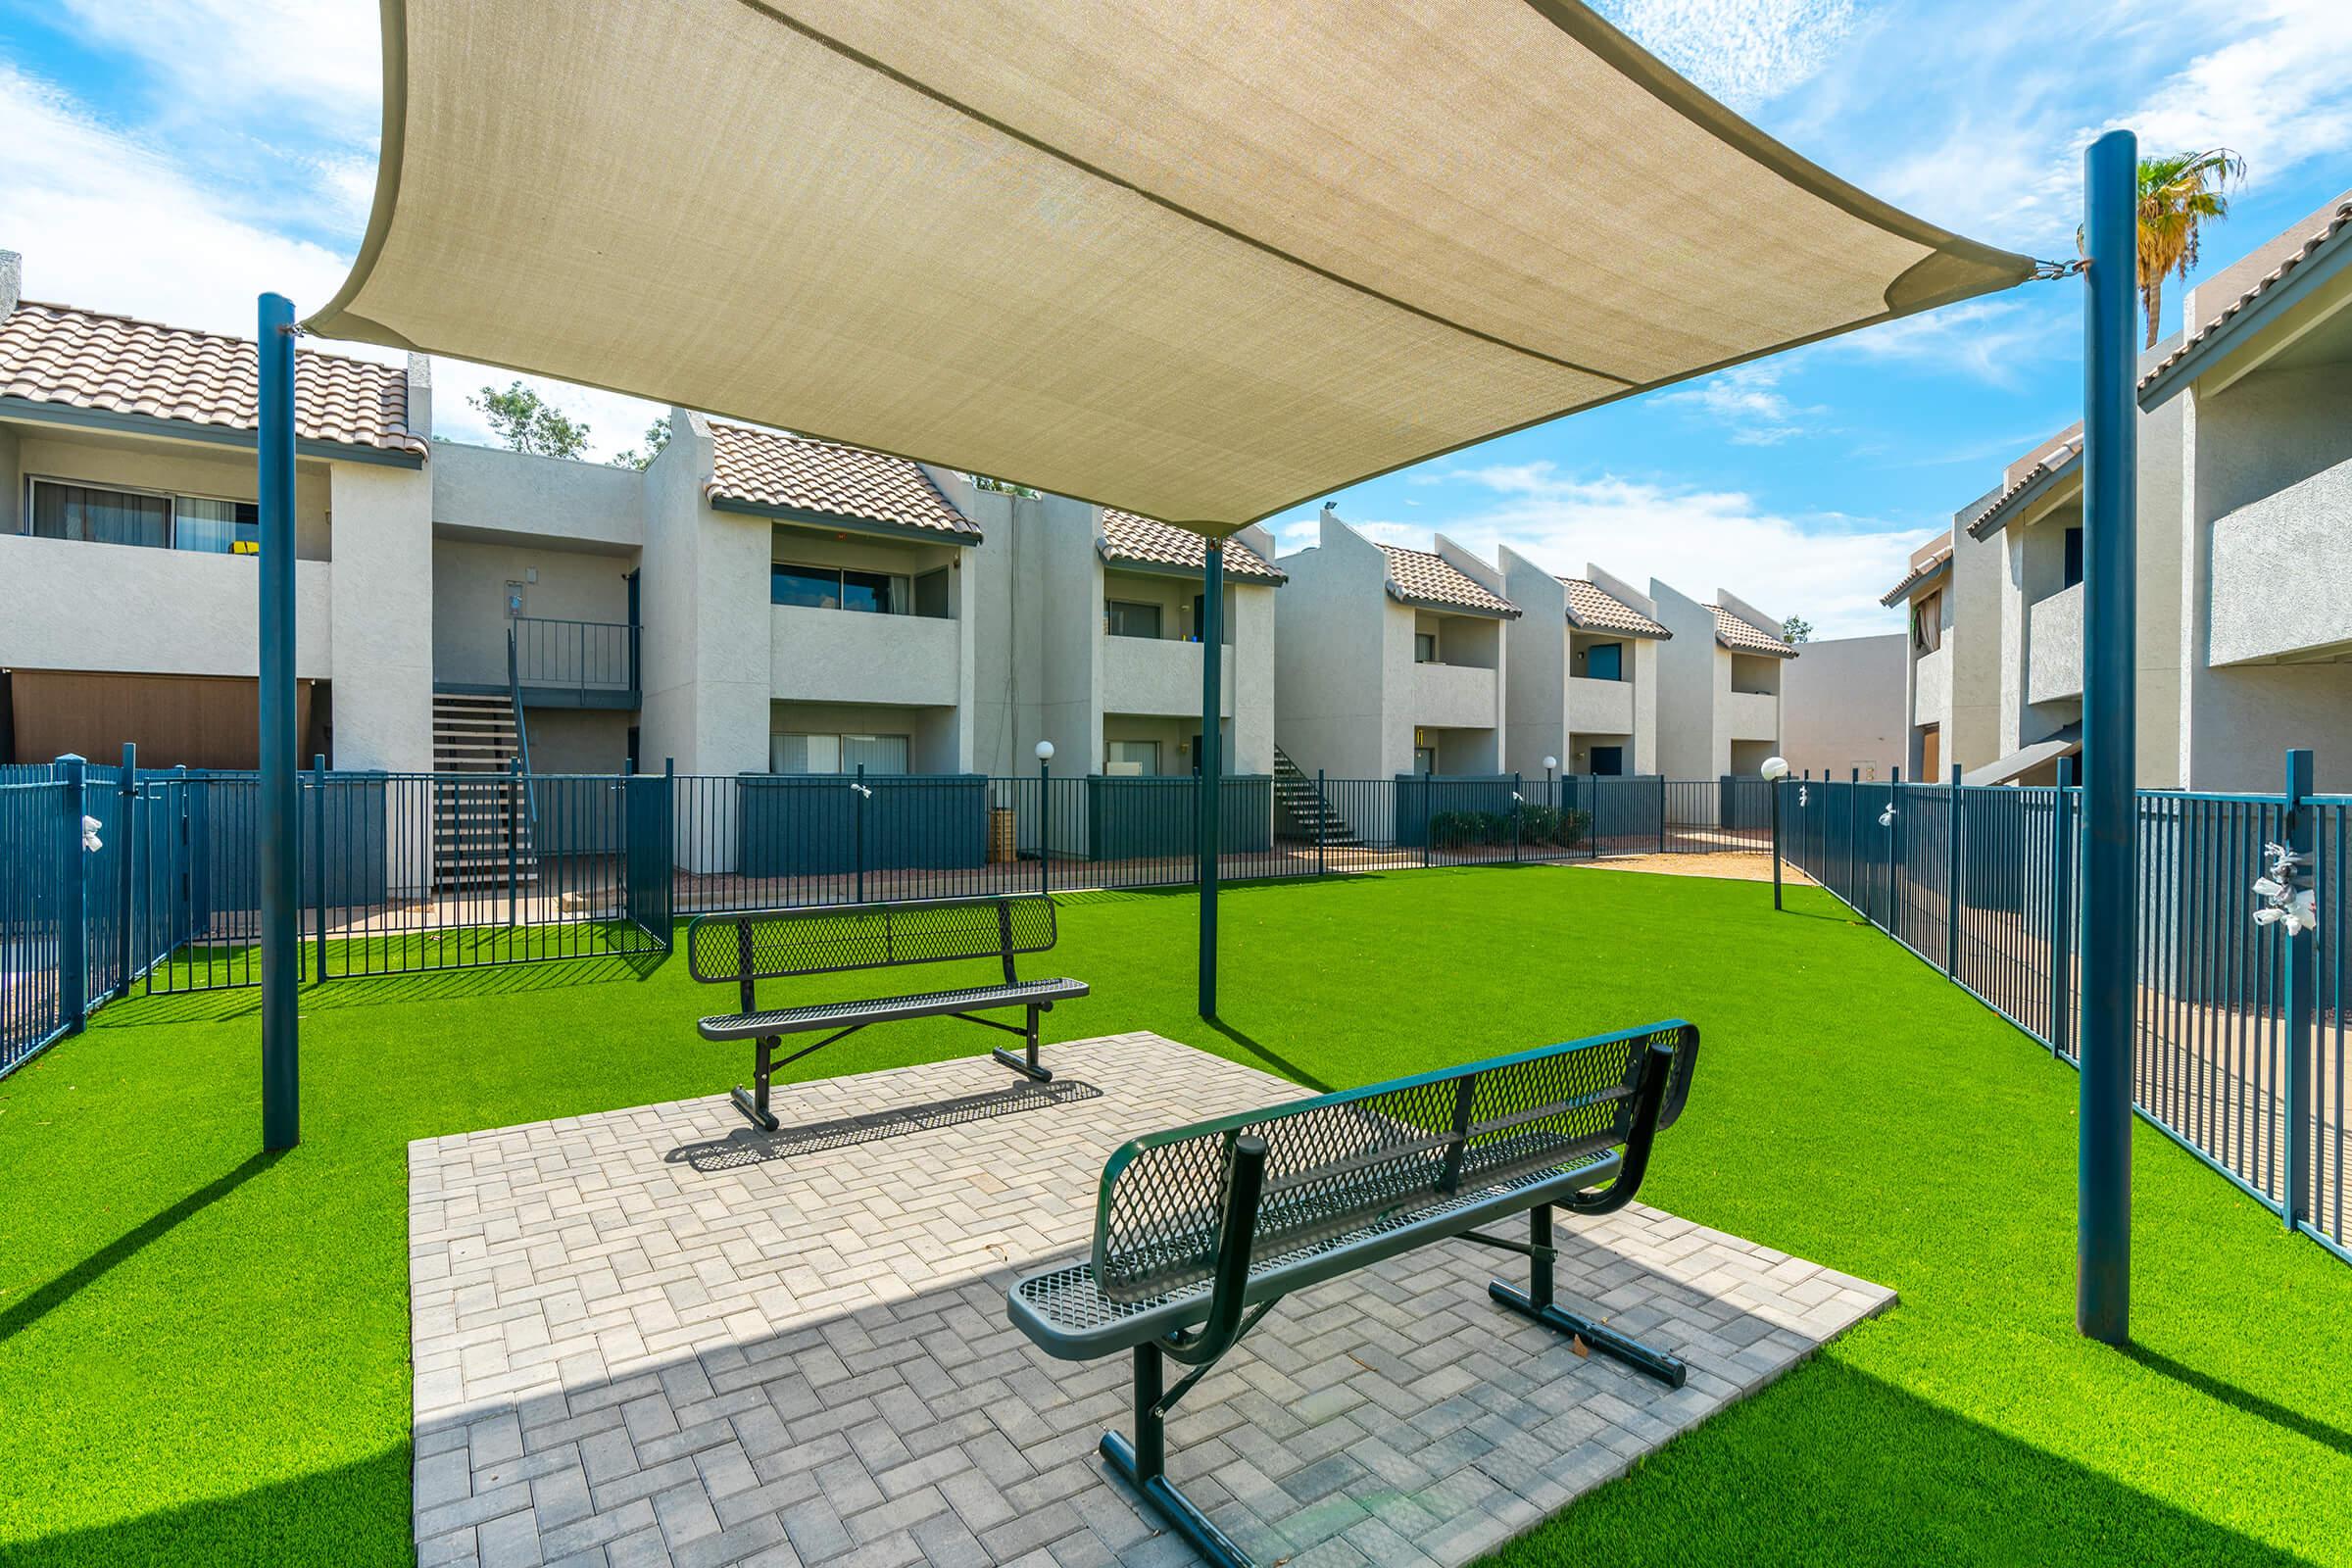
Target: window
x: 2074, y: 558
x: 1124, y: 618
x: 1425, y: 648
x: 1608, y: 762
x: 872, y: 592
x: 104, y: 515
x: 1926, y: 622
x: 1604, y: 662
x: 798, y: 753
x: 1132, y: 759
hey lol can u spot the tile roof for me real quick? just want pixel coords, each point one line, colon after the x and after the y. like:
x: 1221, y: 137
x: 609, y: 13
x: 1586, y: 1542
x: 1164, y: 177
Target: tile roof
x: 1148, y: 542
x: 2336, y: 222
x: 1921, y: 572
x: 1744, y: 637
x: 1425, y: 577
x: 769, y: 468
x: 118, y: 364
x: 2057, y: 458
x: 1596, y: 609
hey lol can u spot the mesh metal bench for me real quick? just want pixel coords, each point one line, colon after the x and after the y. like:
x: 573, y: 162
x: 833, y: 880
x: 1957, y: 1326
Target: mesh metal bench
x: 1199, y: 1231
x: 748, y: 945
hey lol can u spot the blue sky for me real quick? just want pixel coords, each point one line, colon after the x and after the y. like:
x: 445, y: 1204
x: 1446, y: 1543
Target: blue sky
x: 173, y: 158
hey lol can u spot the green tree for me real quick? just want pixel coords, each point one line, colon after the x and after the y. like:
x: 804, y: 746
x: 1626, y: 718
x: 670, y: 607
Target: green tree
x: 528, y: 423
x: 1797, y: 629
x: 2178, y: 193
x: 657, y: 436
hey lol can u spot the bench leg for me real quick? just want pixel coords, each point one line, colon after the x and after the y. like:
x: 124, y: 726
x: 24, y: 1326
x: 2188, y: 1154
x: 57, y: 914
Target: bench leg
x: 1536, y: 1303
x: 1026, y: 1064
x: 754, y: 1104
x: 1144, y: 1465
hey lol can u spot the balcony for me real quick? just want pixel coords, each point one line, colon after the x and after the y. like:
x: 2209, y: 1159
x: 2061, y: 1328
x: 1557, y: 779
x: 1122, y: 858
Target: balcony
x: 844, y: 655
x: 2280, y: 592
x: 1931, y: 679
x: 1601, y: 707
x: 1157, y: 675
x: 2054, y: 656
x: 72, y: 604
x: 574, y: 664
x: 1453, y: 697
x: 1754, y: 715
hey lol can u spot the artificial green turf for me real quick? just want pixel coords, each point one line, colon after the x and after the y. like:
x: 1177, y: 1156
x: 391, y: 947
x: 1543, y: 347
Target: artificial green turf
x: 204, y: 1354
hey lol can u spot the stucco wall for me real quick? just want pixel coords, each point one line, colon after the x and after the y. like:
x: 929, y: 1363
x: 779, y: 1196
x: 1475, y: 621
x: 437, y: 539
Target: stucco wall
x: 1537, y: 709
x: 1331, y: 656
x: 1694, y: 673
x: 384, y: 617
x: 707, y: 675
x: 469, y: 599
x: 494, y: 491
x: 1841, y: 706
x: 578, y: 740
x: 2281, y: 572
x: 2054, y: 668
x: 67, y: 605
x: 851, y: 656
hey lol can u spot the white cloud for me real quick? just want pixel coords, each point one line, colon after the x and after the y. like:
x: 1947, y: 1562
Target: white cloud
x: 322, y: 58
x: 1742, y: 52
x: 1746, y: 401
x: 1996, y: 340
x: 1828, y: 570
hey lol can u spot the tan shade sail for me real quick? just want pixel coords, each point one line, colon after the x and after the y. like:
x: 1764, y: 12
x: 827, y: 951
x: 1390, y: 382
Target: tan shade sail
x: 1200, y: 261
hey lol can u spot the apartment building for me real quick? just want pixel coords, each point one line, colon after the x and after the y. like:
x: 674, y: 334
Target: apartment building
x: 750, y: 603
x: 1391, y: 660
x: 1842, y: 706
x: 1719, y: 684
x: 1583, y: 681
x: 2244, y: 644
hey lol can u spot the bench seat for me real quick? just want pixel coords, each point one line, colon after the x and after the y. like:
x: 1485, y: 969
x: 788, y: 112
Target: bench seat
x: 884, y: 1009
x: 1068, y: 1315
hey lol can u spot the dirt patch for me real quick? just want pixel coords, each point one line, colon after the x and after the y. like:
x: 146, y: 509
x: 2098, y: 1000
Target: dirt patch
x: 1729, y: 867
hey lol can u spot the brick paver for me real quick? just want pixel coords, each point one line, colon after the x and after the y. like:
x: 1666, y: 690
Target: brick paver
x: 652, y: 1336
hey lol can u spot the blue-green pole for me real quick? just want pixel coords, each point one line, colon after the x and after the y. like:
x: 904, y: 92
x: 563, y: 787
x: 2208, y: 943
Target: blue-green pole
x: 126, y: 867
x: 2063, y: 912
x: 73, y: 909
x: 2302, y: 1004
x: 281, y: 1080
x: 2110, y: 620
x: 1213, y: 759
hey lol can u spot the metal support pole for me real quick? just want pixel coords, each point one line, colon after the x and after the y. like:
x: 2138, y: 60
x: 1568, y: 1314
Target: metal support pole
x: 127, y: 872
x: 319, y: 856
x: 1045, y: 825
x: 1322, y: 811
x: 1517, y: 805
x: 1894, y: 844
x: 1213, y: 759
x: 280, y: 897
x: 1661, y: 814
x: 2110, y: 622
x: 2301, y: 987
x: 2062, y: 911
x: 1951, y: 882
x: 1774, y: 786
x: 74, y: 914
x: 1854, y: 879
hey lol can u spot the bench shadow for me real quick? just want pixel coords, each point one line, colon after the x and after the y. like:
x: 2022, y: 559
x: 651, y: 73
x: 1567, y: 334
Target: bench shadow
x: 48, y: 1299
x: 1275, y: 1060
x: 144, y: 1010
x: 748, y: 1146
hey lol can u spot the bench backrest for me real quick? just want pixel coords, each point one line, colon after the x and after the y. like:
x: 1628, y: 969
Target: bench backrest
x: 778, y: 944
x: 1358, y: 1159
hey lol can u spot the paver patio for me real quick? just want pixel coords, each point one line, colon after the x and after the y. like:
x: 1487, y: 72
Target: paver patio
x: 655, y: 1336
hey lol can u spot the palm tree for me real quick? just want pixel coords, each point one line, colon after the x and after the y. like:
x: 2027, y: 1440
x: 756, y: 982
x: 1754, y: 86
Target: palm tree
x: 2177, y: 192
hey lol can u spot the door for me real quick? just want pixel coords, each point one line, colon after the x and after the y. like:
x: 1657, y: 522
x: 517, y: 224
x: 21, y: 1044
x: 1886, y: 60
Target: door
x: 1931, y: 753
x: 1425, y: 760
x: 1609, y: 760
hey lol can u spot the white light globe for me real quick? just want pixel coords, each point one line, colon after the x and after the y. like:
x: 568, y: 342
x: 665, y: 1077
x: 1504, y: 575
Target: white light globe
x: 1550, y: 762
x: 1775, y: 767
x: 1045, y: 750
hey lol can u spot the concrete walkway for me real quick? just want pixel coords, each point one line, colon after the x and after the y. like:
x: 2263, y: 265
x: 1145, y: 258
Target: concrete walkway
x: 655, y: 1337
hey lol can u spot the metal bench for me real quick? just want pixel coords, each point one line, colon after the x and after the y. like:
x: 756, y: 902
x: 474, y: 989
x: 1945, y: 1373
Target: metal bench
x: 748, y: 945
x: 1199, y: 1231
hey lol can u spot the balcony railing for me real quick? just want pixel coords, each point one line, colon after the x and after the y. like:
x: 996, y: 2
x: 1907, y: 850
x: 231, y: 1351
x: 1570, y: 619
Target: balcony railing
x: 594, y: 659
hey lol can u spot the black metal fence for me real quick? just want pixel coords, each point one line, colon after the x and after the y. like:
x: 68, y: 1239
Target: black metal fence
x: 404, y: 872
x: 2232, y: 1059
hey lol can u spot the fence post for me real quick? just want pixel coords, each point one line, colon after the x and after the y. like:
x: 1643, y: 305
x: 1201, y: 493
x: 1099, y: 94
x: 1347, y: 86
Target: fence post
x: 1517, y: 805
x: 319, y: 852
x: 1895, y: 844
x: 858, y: 831
x: 2302, y: 975
x: 2062, y: 911
x: 1661, y: 814
x: 1322, y: 811
x: 126, y: 879
x: 513, y: 801
x: 1855, y: 878
x: 73, y: 909
x: 1429, y: 824
x: 670, y: 853
x: 1951, y: 884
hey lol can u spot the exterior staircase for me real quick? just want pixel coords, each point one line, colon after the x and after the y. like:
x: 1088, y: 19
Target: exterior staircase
x: 1302, y: 805
x: 476, y: 820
